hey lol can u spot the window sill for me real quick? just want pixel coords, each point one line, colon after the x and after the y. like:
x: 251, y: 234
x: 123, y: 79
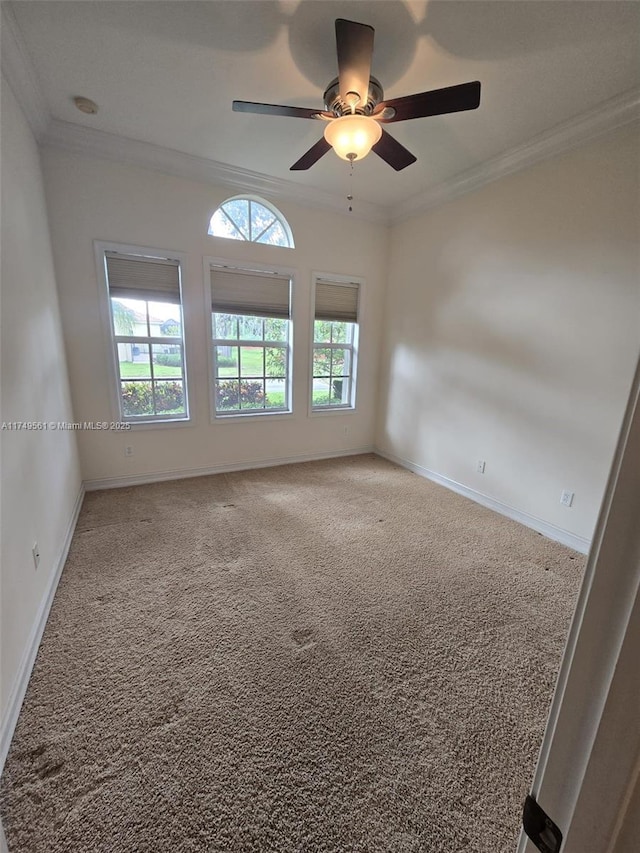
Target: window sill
x: 250, y: 416
x: 139, y: 425
x: 332, y: 410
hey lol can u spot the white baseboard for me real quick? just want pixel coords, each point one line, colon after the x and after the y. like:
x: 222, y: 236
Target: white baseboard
x: 571, y: 540
x: 21, y: 681
x: 224, y: 468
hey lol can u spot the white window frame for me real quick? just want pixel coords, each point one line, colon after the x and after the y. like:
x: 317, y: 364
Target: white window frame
x: 354, y: 347
x: 248, y: 414
x: 101, y: 247
x: 278, y: 216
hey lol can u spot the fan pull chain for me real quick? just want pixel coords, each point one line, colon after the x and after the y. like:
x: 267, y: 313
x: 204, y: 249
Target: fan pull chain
x: 350, y: 194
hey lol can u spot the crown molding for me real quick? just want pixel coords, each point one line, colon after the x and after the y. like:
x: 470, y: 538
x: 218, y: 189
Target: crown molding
x: 20, y: 74
x: 604, y: 118
x: 607, y: 116
x: 85, y: 140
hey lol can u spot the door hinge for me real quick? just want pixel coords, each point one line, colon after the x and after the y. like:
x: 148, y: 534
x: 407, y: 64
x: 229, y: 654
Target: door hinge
x: 540, y: 828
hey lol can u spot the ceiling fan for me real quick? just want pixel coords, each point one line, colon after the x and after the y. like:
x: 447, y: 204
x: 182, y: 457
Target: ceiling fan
x: 355, y: 109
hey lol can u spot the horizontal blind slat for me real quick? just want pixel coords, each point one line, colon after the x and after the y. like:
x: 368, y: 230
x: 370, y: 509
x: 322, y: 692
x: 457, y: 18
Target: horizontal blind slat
x: 337, y: 302
x: 249, y: 294
x: 131, y: 277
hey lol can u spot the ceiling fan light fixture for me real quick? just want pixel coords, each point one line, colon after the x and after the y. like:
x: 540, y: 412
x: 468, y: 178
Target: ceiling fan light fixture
x: 355, y: 98
x: 352, y: 136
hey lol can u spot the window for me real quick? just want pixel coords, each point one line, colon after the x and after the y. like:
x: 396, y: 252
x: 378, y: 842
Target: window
x: 250, y: 313
x: 253, y: 220
x: 335, y: 338
x: 146, y: 322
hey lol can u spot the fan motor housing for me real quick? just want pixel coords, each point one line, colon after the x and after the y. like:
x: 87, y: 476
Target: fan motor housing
x: 334, y: 103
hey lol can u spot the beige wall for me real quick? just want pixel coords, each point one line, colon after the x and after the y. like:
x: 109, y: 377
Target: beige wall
x: 92, y: 199
x: 40, y: 470
x: 513, y: 327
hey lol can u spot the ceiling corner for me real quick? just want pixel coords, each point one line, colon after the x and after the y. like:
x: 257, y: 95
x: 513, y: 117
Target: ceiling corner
x: 20, y: 74
x: 604, y: 118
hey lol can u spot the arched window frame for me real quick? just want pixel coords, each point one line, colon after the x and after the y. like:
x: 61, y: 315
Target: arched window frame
x: 252, y: 199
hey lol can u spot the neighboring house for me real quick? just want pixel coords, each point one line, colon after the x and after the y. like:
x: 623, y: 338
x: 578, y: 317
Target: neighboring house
x: 157, y: 329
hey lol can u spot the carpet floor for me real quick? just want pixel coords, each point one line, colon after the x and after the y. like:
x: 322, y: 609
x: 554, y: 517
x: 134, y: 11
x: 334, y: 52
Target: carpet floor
x: 327, y: 657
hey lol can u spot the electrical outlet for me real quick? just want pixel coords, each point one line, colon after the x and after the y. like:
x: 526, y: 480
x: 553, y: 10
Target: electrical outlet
x: 566, y: 498
x: 128, y: 451
x: 480, y: 466
x: 36, y: 555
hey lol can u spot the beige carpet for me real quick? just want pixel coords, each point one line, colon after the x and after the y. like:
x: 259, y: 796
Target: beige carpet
x: 336, y: 656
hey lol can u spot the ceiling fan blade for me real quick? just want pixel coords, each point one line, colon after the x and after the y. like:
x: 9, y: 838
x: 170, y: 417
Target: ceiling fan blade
x: 311, y: 156
x: 277, y: 110
x: 354, y: 43
x: 393, y: 153
x: 453, y: 99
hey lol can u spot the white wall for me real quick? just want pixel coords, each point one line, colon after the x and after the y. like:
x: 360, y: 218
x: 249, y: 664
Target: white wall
x: 40, y: 469
x: 513, y: 327
x: 93, y: 199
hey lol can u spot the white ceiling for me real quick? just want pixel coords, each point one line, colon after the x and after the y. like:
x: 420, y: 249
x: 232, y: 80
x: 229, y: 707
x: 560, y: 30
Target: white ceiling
x: 166, y: 73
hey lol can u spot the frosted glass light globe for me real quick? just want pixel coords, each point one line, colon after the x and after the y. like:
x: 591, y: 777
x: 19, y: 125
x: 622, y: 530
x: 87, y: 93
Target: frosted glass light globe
x: 352, y: 136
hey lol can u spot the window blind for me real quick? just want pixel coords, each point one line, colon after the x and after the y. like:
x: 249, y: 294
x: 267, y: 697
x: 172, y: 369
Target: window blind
x: 336, y: 301
x: 249, y: 293
x: 134, y: 277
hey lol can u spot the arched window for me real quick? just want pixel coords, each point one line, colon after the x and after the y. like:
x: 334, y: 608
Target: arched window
x: 253, y: 220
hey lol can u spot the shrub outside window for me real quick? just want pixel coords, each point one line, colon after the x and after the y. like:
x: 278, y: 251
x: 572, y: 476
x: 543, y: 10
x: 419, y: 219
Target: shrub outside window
x: 335, y: 333
x: 252, y: 220
x: 250, y: 335
x: 146, y: 318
